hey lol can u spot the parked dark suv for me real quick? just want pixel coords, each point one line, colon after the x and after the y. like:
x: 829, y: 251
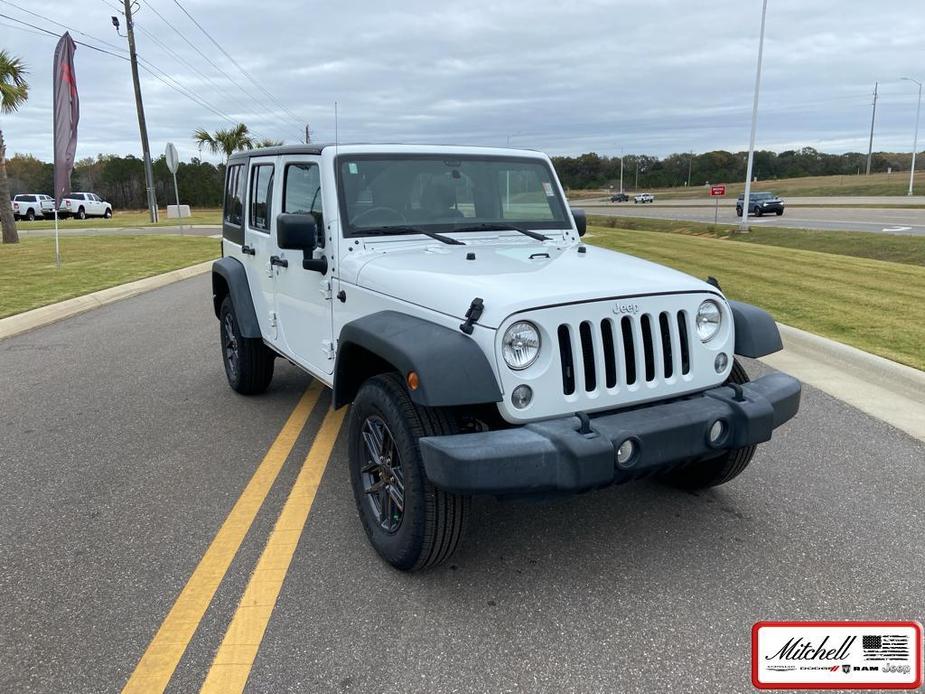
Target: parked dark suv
x: 619, y: 197
x: 761, y: 203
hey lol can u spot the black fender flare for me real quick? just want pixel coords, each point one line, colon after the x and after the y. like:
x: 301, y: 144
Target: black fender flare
x: 451, y: 367
x: 229, y: 277
x: 756, y: 333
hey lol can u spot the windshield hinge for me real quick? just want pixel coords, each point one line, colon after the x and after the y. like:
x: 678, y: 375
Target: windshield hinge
x: 472, y: 315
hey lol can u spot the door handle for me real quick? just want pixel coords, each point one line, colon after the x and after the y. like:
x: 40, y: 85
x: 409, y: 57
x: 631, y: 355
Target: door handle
x: 248, y: 250
x: 276, y: 260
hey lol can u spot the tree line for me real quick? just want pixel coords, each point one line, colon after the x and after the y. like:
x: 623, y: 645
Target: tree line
x: 595, y: 171
x: 121, y: 180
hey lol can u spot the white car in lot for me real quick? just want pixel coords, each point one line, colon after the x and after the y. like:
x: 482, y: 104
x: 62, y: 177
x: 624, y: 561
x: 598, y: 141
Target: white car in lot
x: 446, y: 295
x: 643, y: 197
x: 83, y: 205
x: 28, y: 206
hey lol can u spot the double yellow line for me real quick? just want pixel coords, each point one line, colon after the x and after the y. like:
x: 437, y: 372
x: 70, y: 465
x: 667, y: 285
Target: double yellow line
x: 232, y: 664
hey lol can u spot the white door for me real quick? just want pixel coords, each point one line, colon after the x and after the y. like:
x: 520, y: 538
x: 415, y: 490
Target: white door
x: 303, y: 297
x: 258, y: 217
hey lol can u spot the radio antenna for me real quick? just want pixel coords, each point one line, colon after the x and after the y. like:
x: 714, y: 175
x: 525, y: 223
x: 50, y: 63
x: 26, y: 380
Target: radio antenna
x: 335, y: 127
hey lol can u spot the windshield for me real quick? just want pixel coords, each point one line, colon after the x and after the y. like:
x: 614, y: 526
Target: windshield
x: 399, y: 193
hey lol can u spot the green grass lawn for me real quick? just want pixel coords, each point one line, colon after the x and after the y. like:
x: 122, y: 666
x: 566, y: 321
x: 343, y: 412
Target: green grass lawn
x: 28, y: 278
x: 874, y: 305
x: 125, y: 218
x: 895, y: 248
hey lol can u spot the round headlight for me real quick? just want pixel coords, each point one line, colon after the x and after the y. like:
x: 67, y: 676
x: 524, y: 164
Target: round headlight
x: 521, y: 345
x: 709, y: 318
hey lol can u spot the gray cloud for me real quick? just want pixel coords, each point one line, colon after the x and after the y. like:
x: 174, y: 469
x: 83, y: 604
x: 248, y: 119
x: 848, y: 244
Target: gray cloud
x: 655, y: 77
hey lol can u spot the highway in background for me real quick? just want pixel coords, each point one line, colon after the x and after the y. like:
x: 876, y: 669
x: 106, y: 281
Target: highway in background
x: 799, y: 215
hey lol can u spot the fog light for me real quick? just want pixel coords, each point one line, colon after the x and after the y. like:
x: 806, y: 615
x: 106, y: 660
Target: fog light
x: 717, y: 431
x: 720, y: 362
x: 625, y: 452
x: 521, y: 396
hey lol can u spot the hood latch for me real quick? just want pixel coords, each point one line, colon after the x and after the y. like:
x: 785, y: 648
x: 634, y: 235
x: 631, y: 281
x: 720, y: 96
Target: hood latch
x: 472, y: 315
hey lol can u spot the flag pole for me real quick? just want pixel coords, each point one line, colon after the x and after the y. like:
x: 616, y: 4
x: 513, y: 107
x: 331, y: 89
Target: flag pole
x: 57, y: 247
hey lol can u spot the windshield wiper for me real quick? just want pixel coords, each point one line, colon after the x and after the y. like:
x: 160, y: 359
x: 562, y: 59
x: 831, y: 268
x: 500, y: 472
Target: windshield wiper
x: 382, y: 231
x: 503, y: 227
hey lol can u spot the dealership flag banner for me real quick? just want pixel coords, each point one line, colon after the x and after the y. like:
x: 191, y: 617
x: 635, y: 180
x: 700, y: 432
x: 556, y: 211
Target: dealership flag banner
x: 66, y: 114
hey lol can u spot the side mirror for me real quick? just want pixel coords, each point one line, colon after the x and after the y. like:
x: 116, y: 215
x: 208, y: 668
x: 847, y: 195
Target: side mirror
x: 581, y: 220
x: 296, y: 232
x: 299, y: 232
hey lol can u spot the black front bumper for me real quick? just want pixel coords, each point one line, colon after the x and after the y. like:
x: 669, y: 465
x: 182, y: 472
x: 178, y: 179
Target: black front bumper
x: 554, y: 456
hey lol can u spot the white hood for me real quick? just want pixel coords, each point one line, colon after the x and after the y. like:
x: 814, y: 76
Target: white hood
x: 503, y: 274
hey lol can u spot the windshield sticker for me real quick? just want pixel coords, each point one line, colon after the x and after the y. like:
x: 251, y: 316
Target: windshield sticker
x: 352, y: 167
x: 547, y: 186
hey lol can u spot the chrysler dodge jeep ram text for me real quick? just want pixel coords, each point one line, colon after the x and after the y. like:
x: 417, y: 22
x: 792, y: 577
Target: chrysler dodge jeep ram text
x: 446, y: 296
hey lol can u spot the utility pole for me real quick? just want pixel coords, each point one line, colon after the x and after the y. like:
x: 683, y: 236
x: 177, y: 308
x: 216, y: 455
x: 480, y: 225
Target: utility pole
x: 915, y: 140
x: 743, y: 226
x: 690, y: 164
x: 308, y: 135
x: 139, y: 106
x: 636, y: 182
x: 621, y: 169
x: 870, y: 144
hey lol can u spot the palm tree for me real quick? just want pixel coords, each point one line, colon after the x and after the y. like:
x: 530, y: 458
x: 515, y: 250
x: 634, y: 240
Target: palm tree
x: 14, y: 90
x: 226, y: 141
x: 267, y: 142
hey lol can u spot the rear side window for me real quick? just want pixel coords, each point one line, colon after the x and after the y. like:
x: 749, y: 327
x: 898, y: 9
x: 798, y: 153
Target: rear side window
x: 260, y: 197
x: 302, y: 191
x: 233, y: 203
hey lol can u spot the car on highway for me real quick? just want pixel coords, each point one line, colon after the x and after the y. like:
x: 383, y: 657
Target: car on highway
x: 643, y: 198
x: 28, y: 206
x: 619, y: 197
x: 761, y: 203
x: 83, y: 205
x: 446, y: 295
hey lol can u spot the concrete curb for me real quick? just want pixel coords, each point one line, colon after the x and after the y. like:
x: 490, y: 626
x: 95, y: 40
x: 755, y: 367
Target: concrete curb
x: 36, y: 318
x: 879, y: 387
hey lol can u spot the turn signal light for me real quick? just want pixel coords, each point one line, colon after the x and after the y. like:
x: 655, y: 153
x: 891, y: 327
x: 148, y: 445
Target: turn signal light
x: 413, y: 381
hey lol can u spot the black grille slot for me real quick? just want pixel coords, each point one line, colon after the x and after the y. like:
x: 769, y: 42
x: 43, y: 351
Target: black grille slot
x: 664, y: 326
x: 648, y: 350
x: 685, y: 347
x: 565, y: 357
x: 610, y: 354
x: 587, y: 355
x: 629, y: 350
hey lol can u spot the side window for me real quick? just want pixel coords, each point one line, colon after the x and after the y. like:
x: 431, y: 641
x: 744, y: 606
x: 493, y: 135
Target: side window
x: 260, y: 197
x: 233, y: 204
x: 302, y: 191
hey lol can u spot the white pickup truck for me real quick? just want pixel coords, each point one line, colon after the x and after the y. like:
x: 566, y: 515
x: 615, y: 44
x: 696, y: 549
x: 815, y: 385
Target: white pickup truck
x: 445, y: 294
x: 28, y: 206
x: 83, y: 205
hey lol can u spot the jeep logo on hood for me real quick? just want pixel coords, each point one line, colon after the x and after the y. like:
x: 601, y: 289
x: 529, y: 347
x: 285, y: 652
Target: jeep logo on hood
x: 621, y: 309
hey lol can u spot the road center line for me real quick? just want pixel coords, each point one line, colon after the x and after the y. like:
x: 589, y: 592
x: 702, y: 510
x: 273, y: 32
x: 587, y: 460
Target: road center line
x: 235, y: 657
x: 156, y: 667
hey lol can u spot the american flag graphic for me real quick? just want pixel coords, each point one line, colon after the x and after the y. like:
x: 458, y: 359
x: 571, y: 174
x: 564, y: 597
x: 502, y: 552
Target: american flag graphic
x: 885, y: 647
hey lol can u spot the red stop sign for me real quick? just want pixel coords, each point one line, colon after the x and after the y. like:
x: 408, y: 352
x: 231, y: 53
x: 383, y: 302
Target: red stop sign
x: 717, y: 190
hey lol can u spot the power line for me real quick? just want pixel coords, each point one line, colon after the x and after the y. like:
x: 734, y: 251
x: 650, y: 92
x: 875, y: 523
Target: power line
x: 237, y: 65
x: 52, y: 21
x: 211, y: 62
x: 58, y: 36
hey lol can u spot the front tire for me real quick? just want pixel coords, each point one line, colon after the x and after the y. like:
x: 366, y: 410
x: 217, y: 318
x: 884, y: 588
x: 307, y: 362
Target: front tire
x: 248, y: 362
x: 780, y: 212
x: 107, y: 214
x: 410, y: 523
x: 712, y: 472
x: 758, y: 212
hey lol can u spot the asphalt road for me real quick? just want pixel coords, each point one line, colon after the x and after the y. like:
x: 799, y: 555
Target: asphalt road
x: 878, y: 220
x: 124, y: 451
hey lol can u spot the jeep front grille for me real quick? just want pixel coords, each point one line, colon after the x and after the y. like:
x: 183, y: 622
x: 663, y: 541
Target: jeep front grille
x: 621, y: 352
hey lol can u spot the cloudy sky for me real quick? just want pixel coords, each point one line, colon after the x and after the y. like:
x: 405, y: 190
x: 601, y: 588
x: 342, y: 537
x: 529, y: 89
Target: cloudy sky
x: 653, y: 77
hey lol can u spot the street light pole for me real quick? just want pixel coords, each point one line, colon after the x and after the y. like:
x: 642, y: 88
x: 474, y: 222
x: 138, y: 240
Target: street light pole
x: 142, y: 126
x: 690, y: 164
x: 621, y: 170
x: 743, y: 225
x: 915, y: 139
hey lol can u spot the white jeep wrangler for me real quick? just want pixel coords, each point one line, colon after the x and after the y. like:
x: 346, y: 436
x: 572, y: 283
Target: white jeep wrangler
x: 446, y: 295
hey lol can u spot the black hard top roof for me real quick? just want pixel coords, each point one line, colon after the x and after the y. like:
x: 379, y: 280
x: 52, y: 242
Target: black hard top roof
x: 281, y: 149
